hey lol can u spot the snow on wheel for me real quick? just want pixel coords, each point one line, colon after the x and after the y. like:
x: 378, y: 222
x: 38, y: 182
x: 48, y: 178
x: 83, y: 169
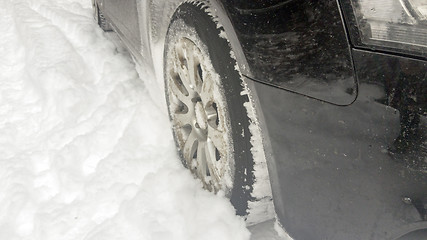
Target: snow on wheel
x: 210, y: 123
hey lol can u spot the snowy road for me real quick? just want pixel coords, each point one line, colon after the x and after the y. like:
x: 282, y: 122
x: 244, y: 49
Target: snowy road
x: 84, y: 151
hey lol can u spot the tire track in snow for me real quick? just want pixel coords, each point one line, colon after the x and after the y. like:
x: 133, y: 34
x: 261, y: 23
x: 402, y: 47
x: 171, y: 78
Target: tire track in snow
x: 14, y: 93
x: 66, y: 52
x: 12, y: 81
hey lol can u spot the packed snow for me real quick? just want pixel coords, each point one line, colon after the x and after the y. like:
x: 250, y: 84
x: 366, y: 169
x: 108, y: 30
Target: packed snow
x: 85, y: 153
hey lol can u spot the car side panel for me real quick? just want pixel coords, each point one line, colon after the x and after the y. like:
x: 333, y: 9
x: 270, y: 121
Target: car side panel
x: 353, y: 172
x: 124, y: 17
x: 298, y: 45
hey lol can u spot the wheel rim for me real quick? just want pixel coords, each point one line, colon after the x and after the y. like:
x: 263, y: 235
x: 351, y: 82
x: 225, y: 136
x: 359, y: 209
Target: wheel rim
x: 199, y: 117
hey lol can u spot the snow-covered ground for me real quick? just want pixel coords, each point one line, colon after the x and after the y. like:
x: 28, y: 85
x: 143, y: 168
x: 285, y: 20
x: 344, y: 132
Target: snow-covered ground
x: 85, y: 153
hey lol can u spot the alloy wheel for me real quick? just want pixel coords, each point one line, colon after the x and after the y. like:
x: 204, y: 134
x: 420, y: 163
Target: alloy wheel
x: 198, y: 111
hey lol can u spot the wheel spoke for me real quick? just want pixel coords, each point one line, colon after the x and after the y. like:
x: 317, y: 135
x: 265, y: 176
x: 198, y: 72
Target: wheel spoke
x: 183, y: 75
x: 211, y: 160
x: 191, y: 67
x: 181, y: 67
x: 217, y: 139
x: 207, y: 89
x: 177, y: 91
x: 185, y: 78
x: 210, y: 152
x: 190, y: 148
x: 202, y: 170
x: 199, y: 78
x: 182, y: 119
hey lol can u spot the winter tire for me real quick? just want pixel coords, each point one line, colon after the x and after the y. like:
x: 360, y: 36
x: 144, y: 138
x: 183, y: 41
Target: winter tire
x: 206, y: 107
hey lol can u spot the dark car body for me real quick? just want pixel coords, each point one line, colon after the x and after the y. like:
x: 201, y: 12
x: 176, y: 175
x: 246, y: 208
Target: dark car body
x: 344, y: 121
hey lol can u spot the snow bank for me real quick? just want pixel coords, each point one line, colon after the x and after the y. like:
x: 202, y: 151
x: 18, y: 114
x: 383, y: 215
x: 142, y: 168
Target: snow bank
x: 84, y: 152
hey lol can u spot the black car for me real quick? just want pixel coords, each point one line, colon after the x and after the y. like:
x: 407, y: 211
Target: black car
x: 330, y: 95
